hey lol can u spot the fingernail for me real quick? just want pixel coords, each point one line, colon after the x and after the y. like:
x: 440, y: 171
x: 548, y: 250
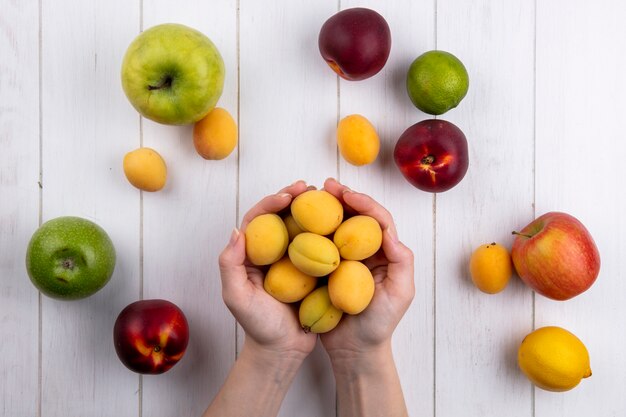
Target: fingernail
x: 284, y: 195
x: 296, y: 182
x: 347, y: 190
x: 311, y: 187
x: 330, y: 178
x: 234, y: 236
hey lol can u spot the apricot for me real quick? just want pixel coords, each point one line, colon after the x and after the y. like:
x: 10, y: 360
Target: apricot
x: 491, y: 268
x: 292, y: 227
x: 286, y: 283
x: 317, y: 211
x: 313, y: 254
x: 145, y: 169
x: 215, y: 136
x: 351, y: 287
x: 317, y: 314
x: 357, y: 140
x: 266, y: 239
x: 358, y: 238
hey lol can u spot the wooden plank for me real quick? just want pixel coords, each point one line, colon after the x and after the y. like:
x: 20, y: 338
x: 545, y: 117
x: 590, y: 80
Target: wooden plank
x: 476, y: 334
x: 580, y: 148
x: 87, y: 128
x: 186, y: 226
x: 288, y: 113
x: 19, y: 206
x: 383, y: 100
x: 288, y: 99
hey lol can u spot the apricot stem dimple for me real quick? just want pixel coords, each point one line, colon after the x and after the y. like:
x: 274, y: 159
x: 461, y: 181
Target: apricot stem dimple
x: 157, y: 349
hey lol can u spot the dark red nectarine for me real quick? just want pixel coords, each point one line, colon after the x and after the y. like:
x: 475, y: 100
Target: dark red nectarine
x: 355, y: 43
x: 150, y: 336
x: 432, y: 155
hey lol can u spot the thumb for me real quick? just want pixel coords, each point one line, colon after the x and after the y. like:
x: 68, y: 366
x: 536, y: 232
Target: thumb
x: 232, y: 269
x: 400, y: 269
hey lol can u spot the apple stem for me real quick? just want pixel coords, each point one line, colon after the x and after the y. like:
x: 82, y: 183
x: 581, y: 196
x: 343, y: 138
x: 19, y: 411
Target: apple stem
x: 520, y: 234
x: 166, y: 82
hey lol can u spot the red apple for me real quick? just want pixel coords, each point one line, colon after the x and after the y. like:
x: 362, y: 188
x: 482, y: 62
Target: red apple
x: 432, y: 155
x: 151, y: 336
x: 556, y: 256
x: 355, y: 43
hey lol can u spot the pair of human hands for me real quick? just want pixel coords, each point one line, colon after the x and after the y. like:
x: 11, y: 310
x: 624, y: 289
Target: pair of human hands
x: 274, y: 326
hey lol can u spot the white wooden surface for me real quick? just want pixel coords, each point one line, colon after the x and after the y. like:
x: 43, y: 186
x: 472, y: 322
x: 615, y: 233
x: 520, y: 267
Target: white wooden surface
x: 543, y: 118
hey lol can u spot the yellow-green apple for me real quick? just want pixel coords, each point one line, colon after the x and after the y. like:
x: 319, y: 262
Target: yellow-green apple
x: 556, y: 256
x: 150, y: 336
x: 172, y: 74
x: 70, y: 258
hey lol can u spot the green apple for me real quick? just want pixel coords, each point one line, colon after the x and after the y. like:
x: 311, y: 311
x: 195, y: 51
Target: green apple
x: 172, y: 74
x: 70, y: 258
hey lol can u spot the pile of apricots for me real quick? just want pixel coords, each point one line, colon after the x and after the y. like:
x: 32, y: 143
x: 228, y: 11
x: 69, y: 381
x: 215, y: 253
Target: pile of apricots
x: 315, y: 258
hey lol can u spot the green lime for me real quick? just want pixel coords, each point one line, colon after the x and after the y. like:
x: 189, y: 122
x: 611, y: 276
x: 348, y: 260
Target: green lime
x: 437, y: 82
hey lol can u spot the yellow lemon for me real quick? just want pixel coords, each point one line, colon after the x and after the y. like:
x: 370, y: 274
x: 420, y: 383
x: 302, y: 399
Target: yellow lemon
x: 553, y: 359
x: 491, y: 268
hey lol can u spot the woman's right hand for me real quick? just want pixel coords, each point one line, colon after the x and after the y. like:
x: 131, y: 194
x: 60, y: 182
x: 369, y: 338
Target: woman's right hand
x: 392, y: 269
